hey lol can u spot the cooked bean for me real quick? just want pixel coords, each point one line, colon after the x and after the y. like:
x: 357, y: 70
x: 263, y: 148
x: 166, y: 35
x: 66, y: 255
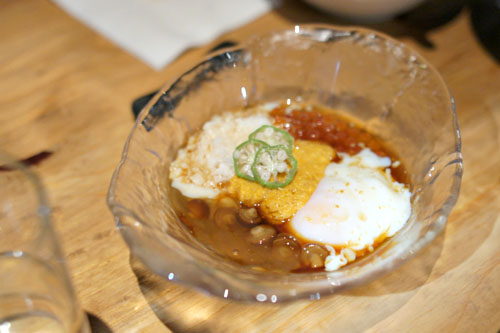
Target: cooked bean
x: 198, y: 209
x: 313, y: 255
x: 286, y: 252
x: 249, y: 216
x: 225, y: 217
x: 287, y: 239
x: 285, y: 245
x: 261, y: 234
x: 228, y: 202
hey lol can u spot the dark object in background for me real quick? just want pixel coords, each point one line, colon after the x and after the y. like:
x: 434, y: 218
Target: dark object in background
x: 97, y: 325
x: 428, y: 16
x: 484, y: 14
x: 485, y: 17
x: 139, y: 103
x: 222, y: 45
x: 31, y: 160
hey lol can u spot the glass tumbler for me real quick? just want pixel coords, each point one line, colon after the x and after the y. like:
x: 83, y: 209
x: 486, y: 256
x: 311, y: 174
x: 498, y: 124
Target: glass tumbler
x: 35, y: 291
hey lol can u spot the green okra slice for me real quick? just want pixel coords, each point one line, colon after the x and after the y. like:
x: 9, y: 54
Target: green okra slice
x: 244, y: 157
x: 273, y: 136
x: 274, y: 166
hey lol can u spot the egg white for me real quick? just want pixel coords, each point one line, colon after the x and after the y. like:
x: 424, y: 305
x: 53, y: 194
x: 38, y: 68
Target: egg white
x: 356, y: 203
x: 207, y: 160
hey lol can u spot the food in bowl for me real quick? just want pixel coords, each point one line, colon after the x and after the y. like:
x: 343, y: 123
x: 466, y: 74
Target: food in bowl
x: 397, y: 96
x: 289, y: 187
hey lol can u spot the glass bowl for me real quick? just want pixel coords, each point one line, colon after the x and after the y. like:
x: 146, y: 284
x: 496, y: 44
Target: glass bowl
x: 388, y: 87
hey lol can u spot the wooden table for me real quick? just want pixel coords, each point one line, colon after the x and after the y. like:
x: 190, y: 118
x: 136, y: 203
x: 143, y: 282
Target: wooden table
x: 67, y: 90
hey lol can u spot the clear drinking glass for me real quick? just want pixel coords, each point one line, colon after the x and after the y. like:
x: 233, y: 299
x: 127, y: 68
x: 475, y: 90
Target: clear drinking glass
x: 35, y: 291
x: 390, y: 89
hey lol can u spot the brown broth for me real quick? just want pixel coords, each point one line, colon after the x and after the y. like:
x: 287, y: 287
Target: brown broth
x: 217, y: 223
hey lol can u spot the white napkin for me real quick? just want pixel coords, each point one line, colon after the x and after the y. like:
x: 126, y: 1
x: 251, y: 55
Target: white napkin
x: 156, y: 31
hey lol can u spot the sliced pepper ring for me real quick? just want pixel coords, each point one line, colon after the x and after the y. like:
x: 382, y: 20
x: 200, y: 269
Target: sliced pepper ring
x: 274, y: 166
x: 273, y: 136
x: 244, y: 157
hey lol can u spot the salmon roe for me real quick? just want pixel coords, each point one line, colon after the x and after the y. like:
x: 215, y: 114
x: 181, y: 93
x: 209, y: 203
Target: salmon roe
x: 317, y: 125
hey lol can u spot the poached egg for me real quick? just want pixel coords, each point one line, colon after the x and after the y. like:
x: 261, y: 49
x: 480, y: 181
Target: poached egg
x: 355, y: 205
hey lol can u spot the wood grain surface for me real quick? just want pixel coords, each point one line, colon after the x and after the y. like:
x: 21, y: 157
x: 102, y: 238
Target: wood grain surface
x: 65, y: 89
